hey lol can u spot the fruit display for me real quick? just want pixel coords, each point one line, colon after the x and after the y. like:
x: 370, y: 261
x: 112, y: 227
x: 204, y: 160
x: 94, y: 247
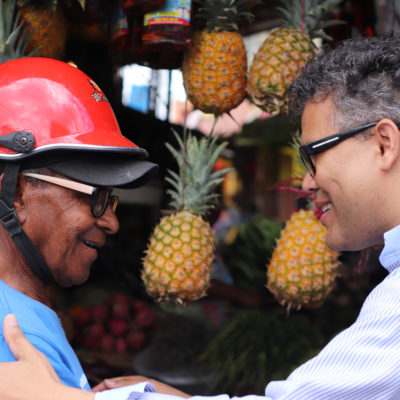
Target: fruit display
x: 286, y: 50
x: 178, y: 260
x: 302, y: 269
x: 118, y: 324
x: 215, y: 65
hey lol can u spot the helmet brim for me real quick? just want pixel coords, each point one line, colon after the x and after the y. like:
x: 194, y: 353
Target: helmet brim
x: 107, y: 170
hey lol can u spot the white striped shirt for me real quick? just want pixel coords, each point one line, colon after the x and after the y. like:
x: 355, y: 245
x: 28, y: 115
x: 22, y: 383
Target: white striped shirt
x: 362, y: 362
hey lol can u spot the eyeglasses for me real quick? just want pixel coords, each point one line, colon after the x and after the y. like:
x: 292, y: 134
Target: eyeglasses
x: 101, y: 198
x: 310, y: 149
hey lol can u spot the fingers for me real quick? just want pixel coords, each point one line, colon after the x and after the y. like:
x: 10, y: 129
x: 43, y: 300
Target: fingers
x: 22, y: 349
x: 100, y: 387
x: 113, y: 383
x: 15, y: 339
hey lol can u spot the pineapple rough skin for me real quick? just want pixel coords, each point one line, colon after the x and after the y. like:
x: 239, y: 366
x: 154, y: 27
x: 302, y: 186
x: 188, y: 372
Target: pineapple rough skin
x: 214, y: 71
x: 178, y: 261
x: 302, y: 270
x: 277, y: 63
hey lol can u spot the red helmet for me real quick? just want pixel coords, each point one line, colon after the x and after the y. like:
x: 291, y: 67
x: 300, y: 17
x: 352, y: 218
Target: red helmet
x: 60, y: 105
x: 53, y: 115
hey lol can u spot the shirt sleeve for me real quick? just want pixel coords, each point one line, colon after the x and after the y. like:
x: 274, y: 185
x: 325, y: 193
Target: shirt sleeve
x: 362, y: 362
x: 58, y: 361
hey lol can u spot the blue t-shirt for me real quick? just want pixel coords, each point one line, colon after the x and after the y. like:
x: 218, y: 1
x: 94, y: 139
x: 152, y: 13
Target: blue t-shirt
x: 43, y: 329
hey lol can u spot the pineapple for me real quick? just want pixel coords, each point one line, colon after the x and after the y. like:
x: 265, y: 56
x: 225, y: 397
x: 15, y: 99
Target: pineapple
x: 47, y: 26
x: 215, y: 65
x: 177, y: 264
x: 286, y: 50
x: 13, y: 38
x: 302, y: 269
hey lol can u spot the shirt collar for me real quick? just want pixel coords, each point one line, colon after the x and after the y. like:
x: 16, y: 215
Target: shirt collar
x: 390, y: 255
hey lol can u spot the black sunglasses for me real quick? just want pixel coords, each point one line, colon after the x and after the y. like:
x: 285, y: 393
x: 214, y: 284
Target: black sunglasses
x: 101, y: 198
x: 310, y: 149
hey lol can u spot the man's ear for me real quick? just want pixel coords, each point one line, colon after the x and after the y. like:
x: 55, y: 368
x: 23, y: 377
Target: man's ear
x: 388, y: 140
x: 20, y: 199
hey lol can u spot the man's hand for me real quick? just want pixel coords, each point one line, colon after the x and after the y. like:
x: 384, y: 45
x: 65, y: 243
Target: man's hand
x: 24, y: 351
x: 132, y: 380
x: 32, y: 376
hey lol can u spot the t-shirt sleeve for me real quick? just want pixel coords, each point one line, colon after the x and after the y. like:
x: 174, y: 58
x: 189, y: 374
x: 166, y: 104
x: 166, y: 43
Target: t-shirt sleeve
x: 55, y: 357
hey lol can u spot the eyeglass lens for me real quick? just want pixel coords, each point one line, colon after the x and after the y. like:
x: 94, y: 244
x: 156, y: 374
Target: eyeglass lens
x: 306, y: 159
x: 101, y: 199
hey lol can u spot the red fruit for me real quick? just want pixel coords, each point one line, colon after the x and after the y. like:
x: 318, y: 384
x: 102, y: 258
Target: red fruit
x: 118, y: 297
x: 118, y: 327
x: 83, y: 318
x: 145, y: 318
x: 92, y: 343
x: 138, y: 305
x: 136, y: 340
x: 120, y: 310
x: 96, y: 330
x: 107, y: 343
x: 120, y: 345
x: 100, y: 312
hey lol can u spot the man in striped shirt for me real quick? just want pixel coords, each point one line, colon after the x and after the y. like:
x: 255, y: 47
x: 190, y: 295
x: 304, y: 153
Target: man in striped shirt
x: 349, y: 103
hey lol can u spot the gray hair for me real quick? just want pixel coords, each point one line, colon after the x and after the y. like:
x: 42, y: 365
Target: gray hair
x: 361, y: 76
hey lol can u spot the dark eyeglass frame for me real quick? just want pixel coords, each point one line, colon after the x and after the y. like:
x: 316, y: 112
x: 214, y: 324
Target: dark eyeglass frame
x: 101, y: 198
x: 318, y: 146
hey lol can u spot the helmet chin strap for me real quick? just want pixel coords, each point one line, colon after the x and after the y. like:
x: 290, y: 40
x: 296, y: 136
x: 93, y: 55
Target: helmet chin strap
x: 9, y: 220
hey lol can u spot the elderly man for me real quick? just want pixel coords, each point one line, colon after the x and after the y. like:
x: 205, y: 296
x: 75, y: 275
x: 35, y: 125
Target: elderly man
x: 349, y: 103
x: 61, y: 153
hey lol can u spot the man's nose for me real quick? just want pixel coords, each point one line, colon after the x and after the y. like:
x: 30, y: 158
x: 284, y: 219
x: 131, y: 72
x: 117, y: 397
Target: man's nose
x: 308, y: 183
x: 109, y: 221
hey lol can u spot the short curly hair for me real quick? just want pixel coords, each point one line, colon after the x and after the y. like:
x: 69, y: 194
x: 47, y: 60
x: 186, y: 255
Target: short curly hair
x: 360, y: 75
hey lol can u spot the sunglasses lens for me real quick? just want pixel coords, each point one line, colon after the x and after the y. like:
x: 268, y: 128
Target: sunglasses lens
x: 114, y: 202
x: 101, y: 200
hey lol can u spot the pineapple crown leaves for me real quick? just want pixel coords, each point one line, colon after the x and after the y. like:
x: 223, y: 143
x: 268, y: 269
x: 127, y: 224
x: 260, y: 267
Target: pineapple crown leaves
x: 13, y: 37
x: 193, y: 185
x: 222, y: 15
x: 309, y: 16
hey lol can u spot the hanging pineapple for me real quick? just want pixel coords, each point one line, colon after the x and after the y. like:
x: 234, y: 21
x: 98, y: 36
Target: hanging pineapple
x: 302, y: 269
x: 215, y: 65
x: 47, y: 26
x: 286, y: 50
x: 177, y: 264
x: 13, y: 37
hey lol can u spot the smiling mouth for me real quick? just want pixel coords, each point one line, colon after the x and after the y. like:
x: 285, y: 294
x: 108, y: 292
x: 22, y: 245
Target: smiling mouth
x: 91, y: 245
x: 326, y: 208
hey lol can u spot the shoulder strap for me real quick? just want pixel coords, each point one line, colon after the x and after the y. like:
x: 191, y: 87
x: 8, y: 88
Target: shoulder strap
x: 9, y: 220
